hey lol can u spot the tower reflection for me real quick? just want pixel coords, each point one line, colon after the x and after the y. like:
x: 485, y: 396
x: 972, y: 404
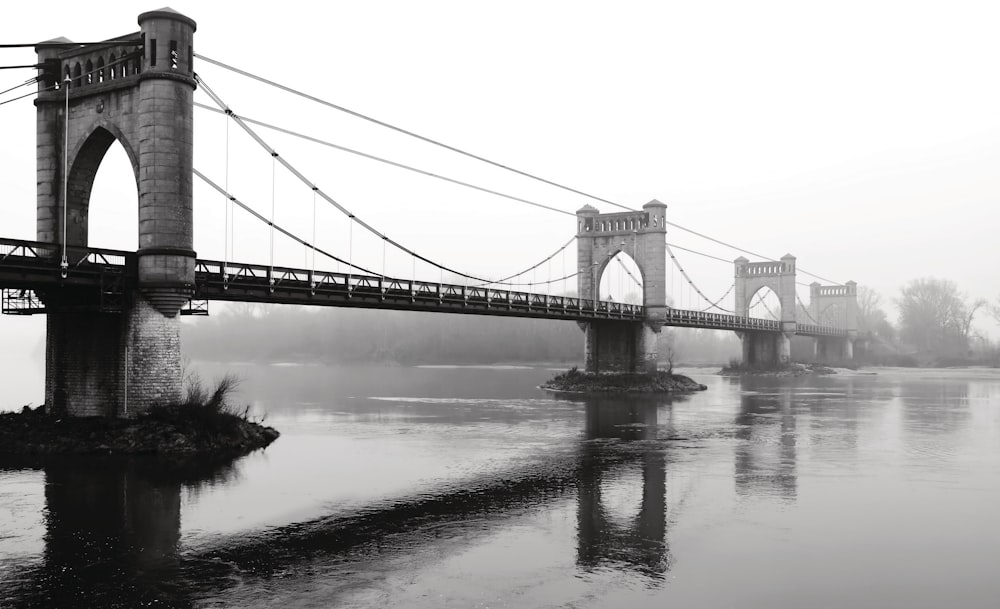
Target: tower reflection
x: 640, y: 541
x: 765, y: 458
x: 112, y: 533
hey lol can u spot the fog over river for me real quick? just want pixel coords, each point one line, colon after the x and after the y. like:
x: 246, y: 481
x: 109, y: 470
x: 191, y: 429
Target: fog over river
x: 469, y: 487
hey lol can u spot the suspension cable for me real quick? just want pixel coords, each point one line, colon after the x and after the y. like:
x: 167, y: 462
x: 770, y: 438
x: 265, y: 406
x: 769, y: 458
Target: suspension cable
x: 720, y: 299
x: 30, y: 81
x: 276, y: 227
x: 379, y: 159
x: 405, y: 131
x: 313, y: 269
x: 622, y: 264
x: 56, y: 85
x: 239, y: 121
x: 531, y: 268
x: 64, y: 264
x: 14, y: 99
x: 740, y: 249
x: 805, y: 309
x: 274, y: 167
x: 228, y: 209
x: 462, y: 152
x: 690, y: 282
x: 487, y: 190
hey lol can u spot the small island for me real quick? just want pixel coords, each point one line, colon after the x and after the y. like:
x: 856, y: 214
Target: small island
x: 574, y: 381
x: 791, y: 369
x: 204, y: 423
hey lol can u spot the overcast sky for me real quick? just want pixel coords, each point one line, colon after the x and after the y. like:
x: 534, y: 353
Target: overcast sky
x: 861, y: 137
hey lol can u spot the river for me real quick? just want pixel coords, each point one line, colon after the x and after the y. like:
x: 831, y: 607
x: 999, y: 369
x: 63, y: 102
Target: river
x: 434, y: 487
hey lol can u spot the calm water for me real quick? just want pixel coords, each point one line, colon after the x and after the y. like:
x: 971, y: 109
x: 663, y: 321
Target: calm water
x: 469, y: 487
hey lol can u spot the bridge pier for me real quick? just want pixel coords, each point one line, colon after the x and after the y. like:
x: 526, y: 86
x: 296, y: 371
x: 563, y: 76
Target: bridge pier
x: 833, y: 349
x: 763, y: 349
x: 111, y: 364
x: 615, y: 346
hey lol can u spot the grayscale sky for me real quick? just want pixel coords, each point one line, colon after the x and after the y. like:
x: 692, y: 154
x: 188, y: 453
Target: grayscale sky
x: 861, y: 137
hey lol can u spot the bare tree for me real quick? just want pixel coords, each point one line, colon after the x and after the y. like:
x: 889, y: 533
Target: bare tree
x: 669, y: 351
x: 994, y: 310
x: 935, y: 317
x: 871, y: 316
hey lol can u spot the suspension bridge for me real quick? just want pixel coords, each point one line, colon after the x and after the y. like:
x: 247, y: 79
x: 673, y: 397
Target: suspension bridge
x: 113, y: 331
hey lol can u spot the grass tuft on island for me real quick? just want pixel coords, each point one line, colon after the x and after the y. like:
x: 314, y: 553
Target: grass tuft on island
x: 204, y: 423
x: 574, y: 381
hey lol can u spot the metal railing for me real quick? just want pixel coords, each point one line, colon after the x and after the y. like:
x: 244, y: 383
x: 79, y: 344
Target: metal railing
x: 217, y: 280
x: 346, y: 286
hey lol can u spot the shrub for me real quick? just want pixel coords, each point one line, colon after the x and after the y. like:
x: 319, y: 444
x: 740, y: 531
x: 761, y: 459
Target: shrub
x: 210, y: 409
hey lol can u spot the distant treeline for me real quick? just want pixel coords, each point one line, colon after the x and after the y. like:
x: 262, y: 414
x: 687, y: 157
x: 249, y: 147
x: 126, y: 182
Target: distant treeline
x: 286, y: 333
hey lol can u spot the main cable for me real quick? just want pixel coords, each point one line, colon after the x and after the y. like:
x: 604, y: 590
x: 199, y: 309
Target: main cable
x: 690, y: 282
x: 239, y: 121
x: 379, y: 159
x: 55, y: 86
x: 274, y: 226
x: 533, y: 267
x: 466, y: 153
x: 405, y: 131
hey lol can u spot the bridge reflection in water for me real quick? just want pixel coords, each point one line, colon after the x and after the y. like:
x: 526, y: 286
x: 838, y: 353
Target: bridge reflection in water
x: 113, y: 525
x: 112, y: 532
x: 641, y: 540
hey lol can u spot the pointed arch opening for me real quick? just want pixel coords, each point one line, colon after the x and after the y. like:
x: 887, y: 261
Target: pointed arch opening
x: 764, y: 304
x: 103, y: 194
x: 832, y: 314
x: 621, y: 280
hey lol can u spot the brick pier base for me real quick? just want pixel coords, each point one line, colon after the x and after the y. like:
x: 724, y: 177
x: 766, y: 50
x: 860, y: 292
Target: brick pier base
x: 112, y: 364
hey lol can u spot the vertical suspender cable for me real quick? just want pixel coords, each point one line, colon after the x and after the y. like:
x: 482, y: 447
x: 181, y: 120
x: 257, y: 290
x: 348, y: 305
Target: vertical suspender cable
x: 274, y: 163
x: 314, y: 233
x: 673, y: 289
x: 383, y: 264
x: 350, y: 251
x: 64, y: 264
x: 228, y: 212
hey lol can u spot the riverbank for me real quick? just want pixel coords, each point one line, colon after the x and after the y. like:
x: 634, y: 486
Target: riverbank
x: 574, y: 381
x: 177, y: 431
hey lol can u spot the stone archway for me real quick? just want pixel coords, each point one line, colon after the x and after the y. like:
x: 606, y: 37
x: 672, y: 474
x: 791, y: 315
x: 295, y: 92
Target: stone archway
x: 137, y: 89
x: 617, y: 345
x: 86, y: 161
x: 766, y: 348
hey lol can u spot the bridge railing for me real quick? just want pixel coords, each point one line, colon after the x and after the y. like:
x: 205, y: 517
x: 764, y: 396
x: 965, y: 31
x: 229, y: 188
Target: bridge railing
x: 75, y: 255
x: 81, y: 260
x: 258, y: 282
x: 306, y: 283
x: 818, y: 330
x: 703, y: 319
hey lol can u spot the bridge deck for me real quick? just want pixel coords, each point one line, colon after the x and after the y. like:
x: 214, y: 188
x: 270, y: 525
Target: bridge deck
x: 30, y: 266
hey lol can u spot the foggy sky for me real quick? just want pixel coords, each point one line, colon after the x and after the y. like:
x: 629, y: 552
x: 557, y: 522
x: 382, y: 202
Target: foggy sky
x: 859, y: 136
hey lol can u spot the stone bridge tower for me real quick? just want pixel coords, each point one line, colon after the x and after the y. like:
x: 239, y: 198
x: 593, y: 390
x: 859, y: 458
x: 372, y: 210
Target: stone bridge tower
x: 835, y: 305
x: 137, y: 89
x: 618, y: 345
x: 763, y: 348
